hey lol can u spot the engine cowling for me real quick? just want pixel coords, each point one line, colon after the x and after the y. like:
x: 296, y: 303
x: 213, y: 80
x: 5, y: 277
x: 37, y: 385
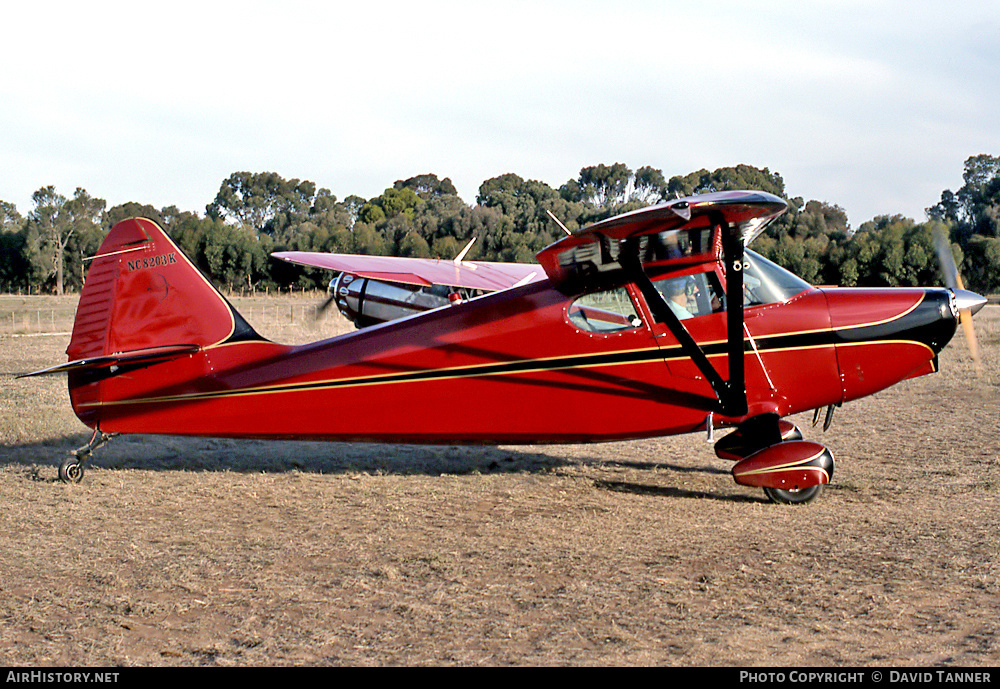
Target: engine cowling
x: 791, y: 465
x: 368, y: 302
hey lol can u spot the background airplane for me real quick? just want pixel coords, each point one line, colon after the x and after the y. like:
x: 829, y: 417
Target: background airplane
x: 376, y: 289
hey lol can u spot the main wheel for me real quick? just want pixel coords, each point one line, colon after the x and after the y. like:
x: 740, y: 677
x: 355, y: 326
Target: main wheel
x: 784, y: 496
x: 71, y: 470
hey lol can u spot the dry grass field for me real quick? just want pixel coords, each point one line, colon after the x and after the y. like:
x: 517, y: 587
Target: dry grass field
x: 214, y: 552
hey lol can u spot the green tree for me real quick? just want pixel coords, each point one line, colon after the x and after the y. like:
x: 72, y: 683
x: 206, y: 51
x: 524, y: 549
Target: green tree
x: 131, y: 209
x: 973, y: 217
x: 264, y: 202
x: 56, y: 219
x: 391, y: 203
x: 367, y: 240
x: 650, y: 186
x: 606, y: 190
x: 427, y: 186
x: 605, y: 186
x: 975, y: 207
x: 818, y: 218
x: 981, y: 267
x: 979, y: 197
x: 233, y: 256
x: 527, y: 203
x: 726, y: 179
x: 414, y: 245
x: 893, y: 251
x: 13, y: 264
x: 10, y: 219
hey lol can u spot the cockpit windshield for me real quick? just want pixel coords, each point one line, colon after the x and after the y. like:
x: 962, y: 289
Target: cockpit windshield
x: 765, y: 282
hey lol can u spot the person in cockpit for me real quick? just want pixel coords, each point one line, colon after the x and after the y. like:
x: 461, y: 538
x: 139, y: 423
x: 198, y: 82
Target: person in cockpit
x: 676, y: 294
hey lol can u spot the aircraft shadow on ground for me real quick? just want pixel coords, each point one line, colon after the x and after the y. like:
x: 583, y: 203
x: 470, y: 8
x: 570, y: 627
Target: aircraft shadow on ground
x: 673, y: 491
x: 174, y: 453
x: 170, y: 453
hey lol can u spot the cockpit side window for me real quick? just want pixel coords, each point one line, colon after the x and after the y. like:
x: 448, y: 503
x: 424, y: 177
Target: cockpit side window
x: 702, y: 294
x: 604, y: 312
x: 690, y: 296
x: 768, y: 283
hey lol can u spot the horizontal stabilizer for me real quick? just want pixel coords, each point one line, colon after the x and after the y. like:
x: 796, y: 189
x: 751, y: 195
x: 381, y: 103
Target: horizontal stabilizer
x: 150, y: 355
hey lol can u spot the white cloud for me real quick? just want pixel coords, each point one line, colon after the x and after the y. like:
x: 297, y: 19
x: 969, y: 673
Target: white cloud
x: 861, y: 104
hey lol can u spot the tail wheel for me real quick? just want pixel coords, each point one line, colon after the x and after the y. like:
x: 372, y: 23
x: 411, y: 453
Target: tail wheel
x: 71, y: 470
x: 784, y: 496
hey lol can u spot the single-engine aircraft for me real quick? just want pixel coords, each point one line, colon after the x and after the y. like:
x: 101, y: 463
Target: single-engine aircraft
x: 652, y: 323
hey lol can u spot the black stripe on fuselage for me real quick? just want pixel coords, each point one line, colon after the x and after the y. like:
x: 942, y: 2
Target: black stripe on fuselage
x: 931, y: 323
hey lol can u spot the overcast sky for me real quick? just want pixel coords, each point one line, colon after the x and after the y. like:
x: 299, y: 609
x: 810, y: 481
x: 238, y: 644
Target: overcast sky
x: 870, y: 105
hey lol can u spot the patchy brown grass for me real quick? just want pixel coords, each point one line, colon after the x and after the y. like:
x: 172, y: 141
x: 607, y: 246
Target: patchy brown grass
x: 186, y: 552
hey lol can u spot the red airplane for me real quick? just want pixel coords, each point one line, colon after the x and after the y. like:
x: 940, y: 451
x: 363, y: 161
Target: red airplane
x: 651, y: 323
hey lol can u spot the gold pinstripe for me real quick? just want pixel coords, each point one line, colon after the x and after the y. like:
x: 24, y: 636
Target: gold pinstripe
x: 476, y: 370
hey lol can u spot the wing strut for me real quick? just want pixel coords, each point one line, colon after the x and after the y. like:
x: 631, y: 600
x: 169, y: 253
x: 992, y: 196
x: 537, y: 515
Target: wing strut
x: 731, y: 394
x: 734, y: 403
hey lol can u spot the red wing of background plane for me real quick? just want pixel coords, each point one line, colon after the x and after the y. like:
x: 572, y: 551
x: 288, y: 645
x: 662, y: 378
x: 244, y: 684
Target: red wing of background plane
x: 480, y: 275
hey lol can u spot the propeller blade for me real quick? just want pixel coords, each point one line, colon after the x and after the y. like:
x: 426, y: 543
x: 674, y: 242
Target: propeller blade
x: 965, y: 318
x: 968, y: 302
x: 321, y: 309
x: 951, y: 277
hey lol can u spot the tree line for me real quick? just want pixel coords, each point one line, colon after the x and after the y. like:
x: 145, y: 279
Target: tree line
x: 254, y: 214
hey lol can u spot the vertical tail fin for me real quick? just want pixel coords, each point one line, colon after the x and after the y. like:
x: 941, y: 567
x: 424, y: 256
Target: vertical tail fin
x: 142, y: 293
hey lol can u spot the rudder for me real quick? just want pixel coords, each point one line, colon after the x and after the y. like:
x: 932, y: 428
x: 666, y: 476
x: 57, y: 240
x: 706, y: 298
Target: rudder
x: 143, y: 293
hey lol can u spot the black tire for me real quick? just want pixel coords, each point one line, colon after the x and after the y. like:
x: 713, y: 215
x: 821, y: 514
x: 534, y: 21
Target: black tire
x: 71, y: 470
x: 783, y: 496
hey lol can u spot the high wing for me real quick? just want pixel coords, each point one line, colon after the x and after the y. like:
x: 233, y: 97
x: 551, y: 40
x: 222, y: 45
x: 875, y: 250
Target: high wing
x: 421, y: 272
x: 677, y: 233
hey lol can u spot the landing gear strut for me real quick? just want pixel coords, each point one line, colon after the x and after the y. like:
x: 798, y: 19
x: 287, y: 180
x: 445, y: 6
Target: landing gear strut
x: 71, y: 470
x: 769, y: 453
